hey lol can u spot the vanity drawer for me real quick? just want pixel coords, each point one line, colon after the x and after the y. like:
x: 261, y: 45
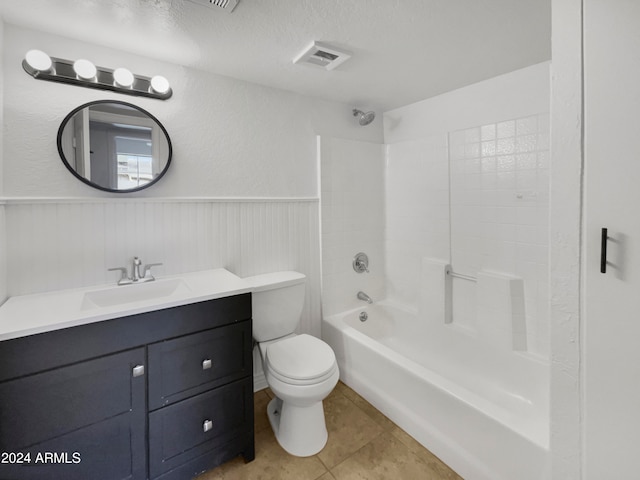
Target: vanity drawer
x: 185, y: 366
x: 200, y: 425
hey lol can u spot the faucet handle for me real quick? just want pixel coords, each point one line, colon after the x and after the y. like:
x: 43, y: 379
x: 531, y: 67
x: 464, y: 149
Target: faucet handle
x: 147, y: 269
x: 361, y: 266
x: 361, y: 263
x: 124, y: 275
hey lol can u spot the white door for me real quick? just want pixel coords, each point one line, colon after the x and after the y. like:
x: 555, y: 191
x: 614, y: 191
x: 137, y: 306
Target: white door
x: 611, y: 348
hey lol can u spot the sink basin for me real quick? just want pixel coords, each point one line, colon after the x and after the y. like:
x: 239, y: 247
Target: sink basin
x: 156, y: 290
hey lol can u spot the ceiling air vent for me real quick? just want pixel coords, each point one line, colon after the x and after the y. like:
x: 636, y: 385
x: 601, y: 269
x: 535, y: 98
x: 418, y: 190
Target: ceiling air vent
x: 222, y: 5
x: 322, y: 55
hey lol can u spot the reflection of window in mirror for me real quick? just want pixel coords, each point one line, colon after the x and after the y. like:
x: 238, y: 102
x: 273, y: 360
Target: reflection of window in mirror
x: 133, y: 171
x: 134, y: 160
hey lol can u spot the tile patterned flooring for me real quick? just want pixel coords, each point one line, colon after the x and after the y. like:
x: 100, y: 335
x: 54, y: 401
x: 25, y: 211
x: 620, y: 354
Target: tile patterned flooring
x: 363, y: 445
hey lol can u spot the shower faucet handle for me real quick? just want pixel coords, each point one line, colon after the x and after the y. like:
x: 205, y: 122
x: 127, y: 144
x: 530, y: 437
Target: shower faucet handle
x: 361, y: 267
x: 361, y: 263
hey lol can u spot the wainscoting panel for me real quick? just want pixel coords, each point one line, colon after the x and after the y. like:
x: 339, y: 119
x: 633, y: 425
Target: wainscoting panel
x: 56, y: 244
x: 3, y: 255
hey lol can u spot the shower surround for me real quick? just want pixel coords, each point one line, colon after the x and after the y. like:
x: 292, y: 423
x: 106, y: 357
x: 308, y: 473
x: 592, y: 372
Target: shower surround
x: 455, y: 206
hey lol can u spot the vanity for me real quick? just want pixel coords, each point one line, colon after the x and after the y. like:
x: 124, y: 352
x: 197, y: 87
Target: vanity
x: 109, y: 383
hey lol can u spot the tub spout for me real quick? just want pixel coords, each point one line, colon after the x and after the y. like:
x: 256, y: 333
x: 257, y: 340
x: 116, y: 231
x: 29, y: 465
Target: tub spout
x: 365, y: 297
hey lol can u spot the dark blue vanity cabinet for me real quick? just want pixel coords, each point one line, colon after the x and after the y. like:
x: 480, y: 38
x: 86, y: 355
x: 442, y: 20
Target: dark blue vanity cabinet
x: 160, y: 395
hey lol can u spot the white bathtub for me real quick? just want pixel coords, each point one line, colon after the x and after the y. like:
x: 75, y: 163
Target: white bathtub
x: 484, y: 412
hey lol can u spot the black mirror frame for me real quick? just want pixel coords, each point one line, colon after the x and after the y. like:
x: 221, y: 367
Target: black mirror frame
x: 95, y: 185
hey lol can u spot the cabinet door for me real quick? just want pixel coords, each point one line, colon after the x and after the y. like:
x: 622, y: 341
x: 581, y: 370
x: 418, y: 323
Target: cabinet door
x: 185, y: 366
x: 77, y: 422
x: 611, y: 350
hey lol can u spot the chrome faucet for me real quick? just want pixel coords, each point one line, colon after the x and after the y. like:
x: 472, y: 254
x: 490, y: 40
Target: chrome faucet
x: 135, y: 269
x: 365, y: 297
x: 136, y: 276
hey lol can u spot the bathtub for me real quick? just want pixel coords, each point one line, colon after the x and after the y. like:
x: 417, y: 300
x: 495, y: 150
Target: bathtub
x: 483, y: 411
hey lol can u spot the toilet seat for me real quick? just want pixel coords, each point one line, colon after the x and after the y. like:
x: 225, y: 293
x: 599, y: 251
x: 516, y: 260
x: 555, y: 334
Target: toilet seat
x: 300, y: 360
x: 305, y: 381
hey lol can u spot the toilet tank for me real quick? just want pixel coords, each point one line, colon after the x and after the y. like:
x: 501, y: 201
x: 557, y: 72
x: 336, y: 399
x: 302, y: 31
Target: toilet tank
x: 276, y: 302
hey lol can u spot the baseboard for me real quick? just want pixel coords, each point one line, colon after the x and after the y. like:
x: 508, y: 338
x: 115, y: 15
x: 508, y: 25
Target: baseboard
x: 259, y: 381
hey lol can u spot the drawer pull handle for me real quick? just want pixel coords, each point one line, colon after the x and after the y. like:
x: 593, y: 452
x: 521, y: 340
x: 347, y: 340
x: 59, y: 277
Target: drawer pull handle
x: 206, y: 364
x: 138, y: 370
x: 207, y: 425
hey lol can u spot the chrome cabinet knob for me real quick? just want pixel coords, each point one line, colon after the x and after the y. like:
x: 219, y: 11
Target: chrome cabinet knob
x: 206, y: 364
x: 207, y: 425
x: 138, y: 370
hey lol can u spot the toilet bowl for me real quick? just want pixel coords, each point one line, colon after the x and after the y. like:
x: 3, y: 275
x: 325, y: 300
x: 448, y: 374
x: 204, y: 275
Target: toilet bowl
x: 301, y: 370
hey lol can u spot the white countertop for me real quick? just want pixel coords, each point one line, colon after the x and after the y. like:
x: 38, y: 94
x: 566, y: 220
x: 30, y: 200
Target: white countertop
x: 43, y: 312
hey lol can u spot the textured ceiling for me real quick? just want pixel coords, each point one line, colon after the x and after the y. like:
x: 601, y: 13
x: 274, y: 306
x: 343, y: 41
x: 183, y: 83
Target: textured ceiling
x: 403, y: 50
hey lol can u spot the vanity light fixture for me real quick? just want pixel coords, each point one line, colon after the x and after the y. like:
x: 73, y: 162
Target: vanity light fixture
x: 159, y: 84
x: 123, y: 77
x: 85, y: 74
x: 85, y: 70
x: 38, y: 60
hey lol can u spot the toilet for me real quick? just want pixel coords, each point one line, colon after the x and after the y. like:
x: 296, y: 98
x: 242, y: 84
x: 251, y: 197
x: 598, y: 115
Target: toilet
x: 301, y: 370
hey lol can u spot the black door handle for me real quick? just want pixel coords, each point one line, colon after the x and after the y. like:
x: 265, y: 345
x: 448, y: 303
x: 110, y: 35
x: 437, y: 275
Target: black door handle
x: 603, y: 251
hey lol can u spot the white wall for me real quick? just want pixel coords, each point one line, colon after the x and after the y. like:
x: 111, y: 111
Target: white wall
x: 565, y: 238
x: 72, y: 243
x: 230, y: 138
x: 352, y: 204
x: 500, y: 219
x: 3, y: 255
x: 594, y: 397
x: 416, y: 213
x: 513, y: 95
x: 446, y: 152
x: 3, y: 235
x: 241, y: 193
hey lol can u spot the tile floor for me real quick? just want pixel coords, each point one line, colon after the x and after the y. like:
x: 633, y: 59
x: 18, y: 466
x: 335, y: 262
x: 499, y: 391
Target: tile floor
x: 363, y: 445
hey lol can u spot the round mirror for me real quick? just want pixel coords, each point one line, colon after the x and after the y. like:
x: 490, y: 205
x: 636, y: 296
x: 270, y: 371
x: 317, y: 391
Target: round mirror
x: 114, y: 146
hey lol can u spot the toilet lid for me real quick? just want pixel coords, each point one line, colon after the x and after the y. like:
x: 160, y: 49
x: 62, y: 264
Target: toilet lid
x: 301, y: 357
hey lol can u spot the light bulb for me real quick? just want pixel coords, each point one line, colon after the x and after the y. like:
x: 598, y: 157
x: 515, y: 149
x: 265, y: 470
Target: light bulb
x: 123, y: 77
x: 160, y: 84
x: 38, y: 60
x: 85, y: 69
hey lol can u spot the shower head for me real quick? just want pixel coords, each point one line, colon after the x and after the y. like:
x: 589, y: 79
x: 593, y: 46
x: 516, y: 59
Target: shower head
x: 364, y: 118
